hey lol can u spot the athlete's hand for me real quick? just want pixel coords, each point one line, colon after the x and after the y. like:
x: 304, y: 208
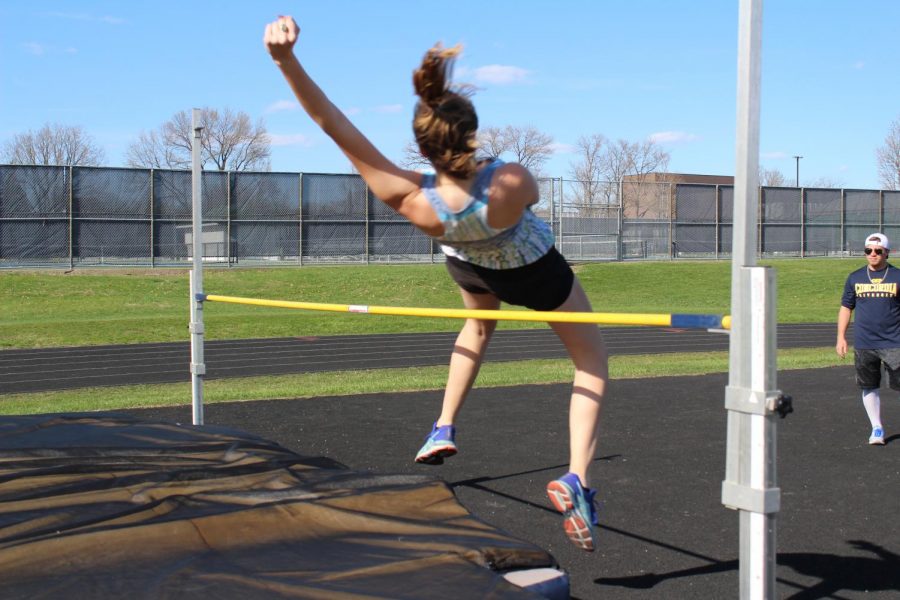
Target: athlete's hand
x: 280, y: 36
x: 841, y: 348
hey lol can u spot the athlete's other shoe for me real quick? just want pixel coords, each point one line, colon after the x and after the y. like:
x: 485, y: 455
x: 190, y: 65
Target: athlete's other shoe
x: 438, y: 445
x: 576, y: 503
x: 877, y: 437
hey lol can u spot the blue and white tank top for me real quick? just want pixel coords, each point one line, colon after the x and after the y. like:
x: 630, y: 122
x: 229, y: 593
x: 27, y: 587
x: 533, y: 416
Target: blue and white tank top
x: 467, y: 235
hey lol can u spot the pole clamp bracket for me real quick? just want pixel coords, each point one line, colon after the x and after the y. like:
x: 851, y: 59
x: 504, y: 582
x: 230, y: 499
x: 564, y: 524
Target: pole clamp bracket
x: 758, y: 402
x: 197, y: 328
x: 743, y: 497
x: 198, y: 368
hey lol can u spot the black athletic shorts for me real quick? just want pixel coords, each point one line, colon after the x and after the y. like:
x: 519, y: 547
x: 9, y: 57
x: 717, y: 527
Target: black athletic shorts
x: 868, y: 368
x: 543, y: 285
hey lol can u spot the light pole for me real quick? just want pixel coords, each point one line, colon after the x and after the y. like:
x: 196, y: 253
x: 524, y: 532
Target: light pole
x: 797, y: 176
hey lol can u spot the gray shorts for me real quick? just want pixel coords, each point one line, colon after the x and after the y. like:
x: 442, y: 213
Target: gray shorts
x: 868, y: 367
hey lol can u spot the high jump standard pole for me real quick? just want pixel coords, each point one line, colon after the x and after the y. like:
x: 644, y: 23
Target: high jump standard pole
x: 198, y: 367
x: 751, y: 400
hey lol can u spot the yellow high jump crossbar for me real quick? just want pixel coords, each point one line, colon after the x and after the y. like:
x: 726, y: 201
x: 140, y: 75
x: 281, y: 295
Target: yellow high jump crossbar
x: 677, y: 320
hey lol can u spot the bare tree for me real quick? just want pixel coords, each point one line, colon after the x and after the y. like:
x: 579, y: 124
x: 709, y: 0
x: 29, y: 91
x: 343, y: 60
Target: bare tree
x: 530, y: 147
x: 889, y: 158
x: 525, y: 145
x: 492, y: 142
x: 771, y: 178
x: 413, y: 158
x: 588, y: 173
x: 53, y: 144
x: 648, y: 157
x: 632, y: 163
x: 229, y: 141
x: 633, y: 159
x: 825, y: 183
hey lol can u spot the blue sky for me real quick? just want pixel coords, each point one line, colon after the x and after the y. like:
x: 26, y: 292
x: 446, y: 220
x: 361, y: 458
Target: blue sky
x: 626, y: 69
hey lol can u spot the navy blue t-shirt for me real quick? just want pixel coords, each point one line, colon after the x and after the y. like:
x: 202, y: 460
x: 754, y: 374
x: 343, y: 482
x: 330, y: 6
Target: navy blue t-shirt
x: 872, y: 295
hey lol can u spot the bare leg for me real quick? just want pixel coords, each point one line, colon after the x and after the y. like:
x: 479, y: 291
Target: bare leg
x: 585, y: 345
x: 468, y: 352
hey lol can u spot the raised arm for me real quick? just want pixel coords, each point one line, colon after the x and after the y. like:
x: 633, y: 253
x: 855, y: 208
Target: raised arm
x: 388, y: 182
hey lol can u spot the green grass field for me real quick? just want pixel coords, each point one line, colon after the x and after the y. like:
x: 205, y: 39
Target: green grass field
x: 90, y: 307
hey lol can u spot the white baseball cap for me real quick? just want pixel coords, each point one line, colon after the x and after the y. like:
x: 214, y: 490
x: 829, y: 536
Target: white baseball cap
x: 878, y: 239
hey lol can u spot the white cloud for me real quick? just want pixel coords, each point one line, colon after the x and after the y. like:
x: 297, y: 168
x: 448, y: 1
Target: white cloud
x: 38, y: 49
x: 388, y: 109
x: 777, y: 155
x: 281, y: 105
x: 500, y: 74
x: 294, y: 139
x: 560, y: 148
x: 673, y: 137
x: 108, y: 19
x: 35, y: 48
x: 859, y: 65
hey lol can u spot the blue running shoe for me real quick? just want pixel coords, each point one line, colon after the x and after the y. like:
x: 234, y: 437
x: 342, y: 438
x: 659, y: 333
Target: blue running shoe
x: 438, y: 445
x: 576, y: 503
x: 877, y: 437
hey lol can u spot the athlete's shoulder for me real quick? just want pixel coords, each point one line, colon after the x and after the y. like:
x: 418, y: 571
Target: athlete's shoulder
x: 513, y: 182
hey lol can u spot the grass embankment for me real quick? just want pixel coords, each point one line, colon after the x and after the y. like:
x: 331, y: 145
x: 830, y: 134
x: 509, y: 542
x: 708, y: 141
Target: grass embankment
x: 90, y: 307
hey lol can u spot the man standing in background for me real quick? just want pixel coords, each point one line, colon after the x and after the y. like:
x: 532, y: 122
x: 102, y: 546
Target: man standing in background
x: 872, y: 292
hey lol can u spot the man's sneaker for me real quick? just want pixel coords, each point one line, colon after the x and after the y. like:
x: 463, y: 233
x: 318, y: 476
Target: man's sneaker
x: 877, y: 437
x: 438, y: 445
x: 576, y: 503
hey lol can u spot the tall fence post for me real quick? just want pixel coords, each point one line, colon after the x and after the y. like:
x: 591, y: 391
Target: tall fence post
x: 718, y: 201
x: 71, y: 220
x: 368, y: 224
x: 672, y: 216
x: 843, y: 241
x: 553, y: 227
x: 760, y: 221
x: 152, y: 224
x: 229, y: 175
x: 802, y: 223
x: 300, y: 219
x: 562, y: 210
x: 620, y: 223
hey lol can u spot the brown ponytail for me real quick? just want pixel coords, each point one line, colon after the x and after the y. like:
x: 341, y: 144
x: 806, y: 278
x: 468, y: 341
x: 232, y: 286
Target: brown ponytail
x: 444, y: 123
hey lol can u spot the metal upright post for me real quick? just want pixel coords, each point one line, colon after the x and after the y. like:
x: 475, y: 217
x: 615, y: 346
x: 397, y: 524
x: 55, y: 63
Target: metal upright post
x: 803, y: 193
x: 198, y: 367
x: 71, y: 221
x: 620, y: 224
x: 152, y: 224
x: 553, y: 226
x: 228, y: 177
x: 843, y: 242
x: 562, y: 207
x: 300, y: 219
x: 368, y: 224
x: 718, y: 201
x: 750, y: 398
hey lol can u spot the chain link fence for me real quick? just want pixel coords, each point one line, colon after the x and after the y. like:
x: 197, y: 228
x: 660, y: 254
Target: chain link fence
x: 93, y: 216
